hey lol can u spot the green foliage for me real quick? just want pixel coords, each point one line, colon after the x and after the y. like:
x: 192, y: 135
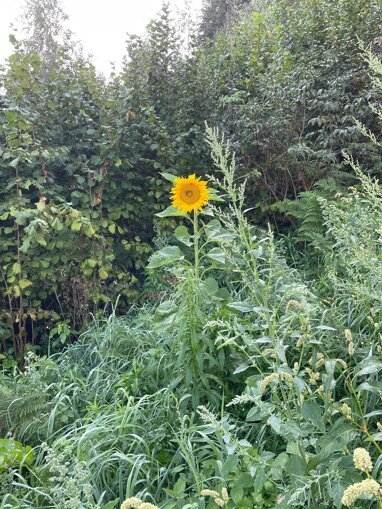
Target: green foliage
x: 287, y: 113
x: 252, y: 374
x: 57, y: 223
x: 244, y: 387
x: 13, y: 454
x: 28, y: 414
x: 216, y: 15
x: 44, y: 23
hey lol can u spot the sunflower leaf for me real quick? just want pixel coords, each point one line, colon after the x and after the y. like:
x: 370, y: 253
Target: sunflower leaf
x: 165, y: 256
x: 168, y: 176
x: 181, y: 233
x: 171, y: 212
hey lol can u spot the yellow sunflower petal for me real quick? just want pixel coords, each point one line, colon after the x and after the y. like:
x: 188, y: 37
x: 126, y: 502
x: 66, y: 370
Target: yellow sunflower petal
x: 189, y: 193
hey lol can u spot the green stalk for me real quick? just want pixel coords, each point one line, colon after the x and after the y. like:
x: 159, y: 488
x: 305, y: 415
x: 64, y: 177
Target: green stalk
x: 192, y: 305
x: 364, y: 427
x: 196, y: 244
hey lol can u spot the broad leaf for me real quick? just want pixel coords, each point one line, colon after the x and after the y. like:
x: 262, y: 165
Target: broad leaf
x: 217, y: 254
x: 171, y: 212
x: 165, y: 256
x: 181, y: 233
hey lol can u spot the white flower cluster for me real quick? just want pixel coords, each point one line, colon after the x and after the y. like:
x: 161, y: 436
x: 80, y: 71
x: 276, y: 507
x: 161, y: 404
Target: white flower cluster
x: 346, y: 411
x: 350, y: 342
x: 362, y: 460
x: 137, y: 503
x: 219, y: 499
x: 366, y: 488
x: 267, y: 380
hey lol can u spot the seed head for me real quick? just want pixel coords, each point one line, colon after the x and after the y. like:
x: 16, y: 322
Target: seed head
x: 360, y: 489
x: 362, y: 460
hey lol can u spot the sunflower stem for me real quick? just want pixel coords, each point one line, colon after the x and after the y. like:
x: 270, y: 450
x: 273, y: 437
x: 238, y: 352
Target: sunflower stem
x: 196, y: 244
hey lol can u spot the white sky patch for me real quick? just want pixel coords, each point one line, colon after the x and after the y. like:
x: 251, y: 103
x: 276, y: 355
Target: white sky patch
x: 101, y: 26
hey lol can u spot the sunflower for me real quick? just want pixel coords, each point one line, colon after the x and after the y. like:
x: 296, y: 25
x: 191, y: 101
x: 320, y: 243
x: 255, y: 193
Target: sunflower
x: 189, y: 193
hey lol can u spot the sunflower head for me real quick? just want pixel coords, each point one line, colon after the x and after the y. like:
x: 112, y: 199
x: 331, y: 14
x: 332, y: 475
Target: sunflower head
x: 189, y: 193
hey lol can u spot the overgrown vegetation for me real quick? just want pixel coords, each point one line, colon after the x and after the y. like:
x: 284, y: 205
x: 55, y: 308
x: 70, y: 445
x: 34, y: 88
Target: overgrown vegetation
x: 237, y: 361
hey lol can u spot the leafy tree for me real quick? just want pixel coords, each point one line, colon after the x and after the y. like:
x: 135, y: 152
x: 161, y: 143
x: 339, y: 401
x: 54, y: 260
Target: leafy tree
x: 286, y: 82
x: 45, y: 25
x: 215, y: 14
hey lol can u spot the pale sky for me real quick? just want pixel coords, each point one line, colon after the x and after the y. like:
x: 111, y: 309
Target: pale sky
x: 100, y: 25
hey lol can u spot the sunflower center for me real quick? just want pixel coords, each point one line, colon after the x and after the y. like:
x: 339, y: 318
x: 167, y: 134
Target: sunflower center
x: 190, y: 193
